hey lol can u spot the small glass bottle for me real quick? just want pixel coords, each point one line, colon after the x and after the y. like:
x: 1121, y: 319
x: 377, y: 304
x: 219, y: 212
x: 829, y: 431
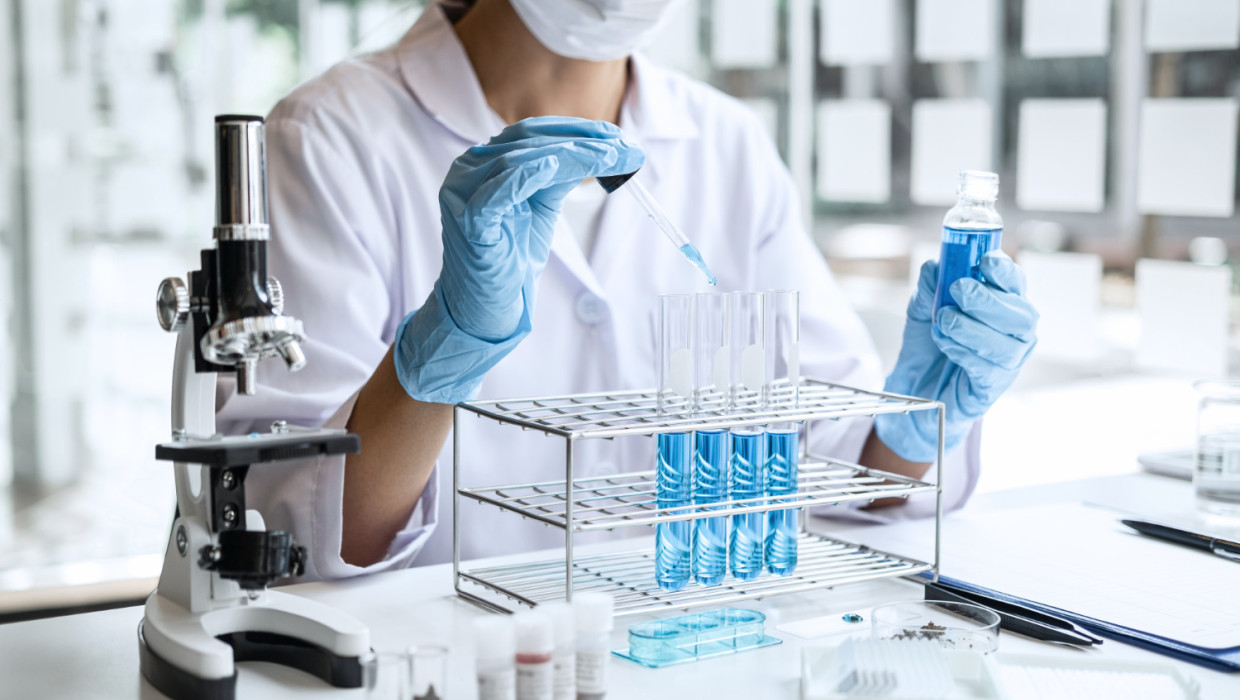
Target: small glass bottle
x: 1216, y: 477
x: 971, y: 229
x: 495, y: 650
x: 535, y: 645
x: 595, y: 613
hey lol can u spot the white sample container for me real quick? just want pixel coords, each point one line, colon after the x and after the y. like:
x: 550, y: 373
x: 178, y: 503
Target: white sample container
x: 495, y: 651
x: 594, y: 613
x: 535, y: 644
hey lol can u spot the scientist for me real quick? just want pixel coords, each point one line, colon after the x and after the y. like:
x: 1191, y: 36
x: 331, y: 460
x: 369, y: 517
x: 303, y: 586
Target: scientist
x: 432, y: 230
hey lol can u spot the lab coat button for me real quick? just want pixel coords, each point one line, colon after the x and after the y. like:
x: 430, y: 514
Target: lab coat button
x: 591, y: 310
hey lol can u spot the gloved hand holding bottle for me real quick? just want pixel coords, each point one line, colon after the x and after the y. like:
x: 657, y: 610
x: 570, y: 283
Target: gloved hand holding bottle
x: 499, y: 205
x: 966, y: 360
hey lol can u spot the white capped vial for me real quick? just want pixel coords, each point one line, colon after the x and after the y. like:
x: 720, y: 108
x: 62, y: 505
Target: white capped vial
x: 564, y: 657
x: 495, y: 649
x: 594, y: 613
x: 535, y: 644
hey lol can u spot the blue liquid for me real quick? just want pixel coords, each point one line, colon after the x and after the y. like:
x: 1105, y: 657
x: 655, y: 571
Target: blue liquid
x: 748, y: 463
x: 696, y: 258
x: 959, y: 257
x: 781, y: 480
x: 673, y: 549
x: 710, y: 485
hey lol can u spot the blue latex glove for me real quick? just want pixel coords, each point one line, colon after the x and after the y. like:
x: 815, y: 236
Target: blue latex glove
x: 966, y: 361
x: 498, y: 205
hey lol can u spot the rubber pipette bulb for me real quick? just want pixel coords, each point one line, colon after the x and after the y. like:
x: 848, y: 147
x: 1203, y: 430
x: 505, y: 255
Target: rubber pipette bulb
x: 659, y: 217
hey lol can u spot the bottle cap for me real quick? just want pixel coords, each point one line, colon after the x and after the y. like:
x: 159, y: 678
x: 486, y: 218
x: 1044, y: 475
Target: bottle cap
x: 594, y: 612
x: 494, y: 637
x: 978, y: 184
x: 562, y: 621
x: 534, y: 633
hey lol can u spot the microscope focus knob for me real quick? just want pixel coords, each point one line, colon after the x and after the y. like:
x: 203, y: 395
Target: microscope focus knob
x: 172, y: 304
x: 275, y: 295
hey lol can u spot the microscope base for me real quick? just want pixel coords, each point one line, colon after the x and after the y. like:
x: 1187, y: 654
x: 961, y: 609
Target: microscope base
x: 189, y: 656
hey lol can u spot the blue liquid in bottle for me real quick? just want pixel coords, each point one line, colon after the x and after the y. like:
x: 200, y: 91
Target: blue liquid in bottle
x: 971, y: 229
x: 959, y: 257
x: 748, y: 463
x: 710, y: 485
x: 674, y: 487
x: 781, y: 480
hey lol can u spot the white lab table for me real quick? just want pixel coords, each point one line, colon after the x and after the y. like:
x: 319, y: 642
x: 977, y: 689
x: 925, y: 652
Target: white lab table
x: 95, y: 655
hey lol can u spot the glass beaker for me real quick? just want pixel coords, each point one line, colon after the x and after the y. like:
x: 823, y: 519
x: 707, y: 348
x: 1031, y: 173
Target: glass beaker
x: 1216, y: 476
x: 385, y: 675
x: 428, y: 672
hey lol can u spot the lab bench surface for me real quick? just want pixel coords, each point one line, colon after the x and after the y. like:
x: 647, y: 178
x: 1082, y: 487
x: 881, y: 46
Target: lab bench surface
x: 95, y: 655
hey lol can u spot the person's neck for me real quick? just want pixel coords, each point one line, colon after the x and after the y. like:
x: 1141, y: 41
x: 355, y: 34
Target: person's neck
x: 521, y: 78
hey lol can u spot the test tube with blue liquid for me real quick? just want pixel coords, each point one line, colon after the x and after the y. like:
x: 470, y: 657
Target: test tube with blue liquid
x: 674, y: 470
x: 782, y: 457
x: 746, y: 478
x: 650, y: 205
x: 971, y: 229
x: 711, y: 448
x: 781, y: 339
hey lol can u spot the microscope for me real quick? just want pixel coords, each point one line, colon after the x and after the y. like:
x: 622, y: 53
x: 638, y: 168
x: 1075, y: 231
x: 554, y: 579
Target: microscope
x: 212, y: 607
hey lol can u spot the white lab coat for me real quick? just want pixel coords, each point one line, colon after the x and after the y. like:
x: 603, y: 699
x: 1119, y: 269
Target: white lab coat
x: 355, y: 161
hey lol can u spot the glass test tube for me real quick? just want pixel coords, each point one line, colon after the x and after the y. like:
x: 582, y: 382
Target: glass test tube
x: 745, y: 341
x: 711, y: 448
x: 781, y: 336
x: 782, y: 455
x: 674, y: 471
x: 748, y: 445
x: 746, y: 469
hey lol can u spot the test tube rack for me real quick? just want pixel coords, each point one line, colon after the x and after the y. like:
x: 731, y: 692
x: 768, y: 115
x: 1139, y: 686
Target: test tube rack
x: 579, y: 505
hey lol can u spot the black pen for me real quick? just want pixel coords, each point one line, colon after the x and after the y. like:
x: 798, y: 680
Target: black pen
x: 1223, y: 548
x: 1016, y: 618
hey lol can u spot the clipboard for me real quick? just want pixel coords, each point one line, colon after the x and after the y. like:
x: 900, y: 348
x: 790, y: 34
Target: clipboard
x: 1216, y: 659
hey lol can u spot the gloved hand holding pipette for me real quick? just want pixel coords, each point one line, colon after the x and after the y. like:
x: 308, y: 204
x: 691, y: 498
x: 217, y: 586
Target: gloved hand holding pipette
x: 966, y: 360
x: 498, y: 205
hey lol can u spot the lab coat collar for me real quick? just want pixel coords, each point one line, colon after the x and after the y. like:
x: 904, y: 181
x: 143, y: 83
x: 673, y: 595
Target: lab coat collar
x: 438, y: 72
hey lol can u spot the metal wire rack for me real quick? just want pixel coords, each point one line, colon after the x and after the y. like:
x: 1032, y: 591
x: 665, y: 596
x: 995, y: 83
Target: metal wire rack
x: 588, y: 504
x: 629, y: 578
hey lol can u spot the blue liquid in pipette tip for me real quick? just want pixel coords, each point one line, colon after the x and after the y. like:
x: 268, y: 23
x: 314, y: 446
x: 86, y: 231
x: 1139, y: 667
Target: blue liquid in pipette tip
x: 695, y: 257
x: 781, y: 480
x: 959, y: 257
x: 710, y: 485
x: 674, y: 487
x: 747, y: 464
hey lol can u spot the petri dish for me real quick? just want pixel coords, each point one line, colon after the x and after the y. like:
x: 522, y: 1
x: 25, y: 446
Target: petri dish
x: 950, y: 625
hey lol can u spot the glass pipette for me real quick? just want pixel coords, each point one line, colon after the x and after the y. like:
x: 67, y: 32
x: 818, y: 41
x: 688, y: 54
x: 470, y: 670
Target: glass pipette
x: 656, y: 214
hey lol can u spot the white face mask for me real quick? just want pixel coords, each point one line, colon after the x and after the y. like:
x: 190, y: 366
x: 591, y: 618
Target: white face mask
x: 592, y: 30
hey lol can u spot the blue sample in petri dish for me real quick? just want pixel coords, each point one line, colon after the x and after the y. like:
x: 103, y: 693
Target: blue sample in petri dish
x: 674, y: 487
x: 781, y: 480
x: 710, y: 486
x: 686, y: 638
x: 746, y: 481
x: 959, y: 257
